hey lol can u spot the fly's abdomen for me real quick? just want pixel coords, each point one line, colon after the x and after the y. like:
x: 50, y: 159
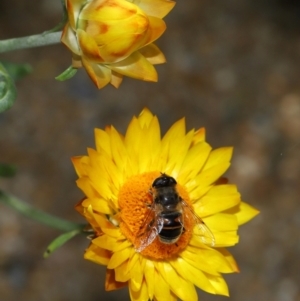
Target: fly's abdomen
x: 172, y: 227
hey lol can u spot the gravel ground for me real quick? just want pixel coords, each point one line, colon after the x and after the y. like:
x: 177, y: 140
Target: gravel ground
x: 233, y: 67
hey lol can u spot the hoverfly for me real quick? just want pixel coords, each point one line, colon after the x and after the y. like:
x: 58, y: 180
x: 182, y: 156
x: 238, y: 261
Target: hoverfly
x: 167, y: 215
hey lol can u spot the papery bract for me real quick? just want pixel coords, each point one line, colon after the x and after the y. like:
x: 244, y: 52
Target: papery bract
x: 112, y: 38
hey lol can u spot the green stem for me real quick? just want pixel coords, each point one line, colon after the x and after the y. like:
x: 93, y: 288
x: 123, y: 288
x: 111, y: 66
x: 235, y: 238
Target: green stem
x: 38, y: 215
x: 37, y: 40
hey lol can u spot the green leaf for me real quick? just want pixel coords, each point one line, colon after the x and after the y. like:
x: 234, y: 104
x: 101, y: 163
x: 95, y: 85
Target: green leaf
x: 17, y: 71
x: 67, y: 74
x: 60, y: 240
x: 7, y: 170
x: 8, y: 91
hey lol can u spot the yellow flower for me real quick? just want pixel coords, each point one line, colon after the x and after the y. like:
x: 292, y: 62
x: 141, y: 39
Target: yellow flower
x: 112, y: 38
x: 117, y: 179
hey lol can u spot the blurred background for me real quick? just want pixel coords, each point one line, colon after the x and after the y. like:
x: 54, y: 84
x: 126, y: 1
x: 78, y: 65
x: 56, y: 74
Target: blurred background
x: 233, y: 67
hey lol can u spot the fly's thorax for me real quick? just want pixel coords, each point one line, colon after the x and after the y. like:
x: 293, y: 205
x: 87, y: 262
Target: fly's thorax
x: 166, y: 196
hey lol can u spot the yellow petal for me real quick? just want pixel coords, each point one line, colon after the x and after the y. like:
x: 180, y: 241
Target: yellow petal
x: 105, y: 10
x: 153, y: 134
x: 199, y: 136
x: 122, y: 245
x: 106, y: 173
x: 111, y: 283
x: 121, y: 47
x: 218, y: 156
x: 155, y: 30
x: 84, y: 184
x: 143, y: 142
x: 97, y: 255
x: 193, y: 163
x: 106, y: 242
x: 121, y: 272
x: 111, y: 243
x: 119, y: 151
x: 145, y: 118
x: 69, y: 38
x: 225, y: 239
x: 153, y: 54
x: 118, y: 27
x: 100, y: 183
x: 161, y: 288
x: 73, y: 8
x: 192, y: 274
x: 116, y: 79
x: 178, y: 149
x: 229, y: 259
x: 206, y: 178
x: 184, y: 289
x: 197, y: 194
x: 81, y: 165
x: 175, y: 136
x: 149, y: 153
x: 219, y: 284
x: 98, y: 73
x: 108, y: 187
x: 134, y: 257
x: 89, y: 47
x: 118, y: 258
x: 244, y: 212
x: 143, y: 151
x: 102, y: 140
x: 99, y: 204
x: 88, y: 214
x: 206, y: 259
x: 156, y: 8
x: 136, y: 278
x: 196, y: 260
x: 141, y: 294
x: 107, y: 227
x: 135, y: 66
x: 217, y: 199
x: 149, y: 272
x: 177, y: 130
x: 133, y: 137
x: 97, y: 179
x: 221, y: 222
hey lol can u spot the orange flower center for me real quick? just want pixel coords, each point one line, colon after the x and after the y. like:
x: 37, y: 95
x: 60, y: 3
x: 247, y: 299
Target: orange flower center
x: 138, y: 216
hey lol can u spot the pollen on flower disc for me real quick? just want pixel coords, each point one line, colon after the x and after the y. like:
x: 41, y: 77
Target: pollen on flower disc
x: 135, y: 199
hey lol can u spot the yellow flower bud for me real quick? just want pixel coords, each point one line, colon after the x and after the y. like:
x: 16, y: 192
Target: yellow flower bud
x: 112, y: 38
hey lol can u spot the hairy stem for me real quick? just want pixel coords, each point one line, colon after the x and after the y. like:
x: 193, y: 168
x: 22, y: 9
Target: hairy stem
x: 38, y: 215
x: 37, y: 40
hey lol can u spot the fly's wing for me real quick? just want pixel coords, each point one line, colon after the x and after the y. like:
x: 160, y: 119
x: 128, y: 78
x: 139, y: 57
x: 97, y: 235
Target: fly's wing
x: 200, y: 228
x: 149, y: 230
